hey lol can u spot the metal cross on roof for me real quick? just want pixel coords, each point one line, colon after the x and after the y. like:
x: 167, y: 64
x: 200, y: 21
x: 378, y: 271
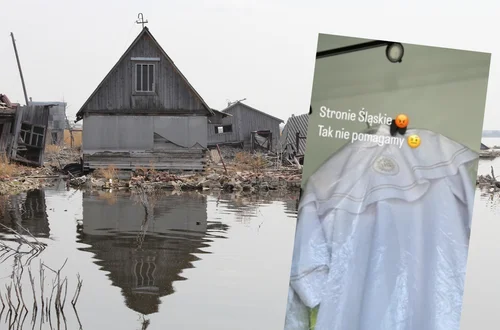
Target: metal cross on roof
x: 141, y: 20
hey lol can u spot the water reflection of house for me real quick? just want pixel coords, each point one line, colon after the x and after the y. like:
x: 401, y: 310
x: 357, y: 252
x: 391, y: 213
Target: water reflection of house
x: 245, y: 209
x: 144, y: 262
x: 28, y: 210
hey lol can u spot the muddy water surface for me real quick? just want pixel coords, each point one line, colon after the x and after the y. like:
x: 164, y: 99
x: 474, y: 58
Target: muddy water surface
x: 187, y: 261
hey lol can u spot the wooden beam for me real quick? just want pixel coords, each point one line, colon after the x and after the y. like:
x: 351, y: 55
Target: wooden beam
x: 145, y: 59
x: 17, y: 130
x: 148, y: 112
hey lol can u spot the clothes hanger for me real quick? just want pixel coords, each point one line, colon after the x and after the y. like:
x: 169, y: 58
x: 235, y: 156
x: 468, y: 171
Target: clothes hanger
x: 395, y: 130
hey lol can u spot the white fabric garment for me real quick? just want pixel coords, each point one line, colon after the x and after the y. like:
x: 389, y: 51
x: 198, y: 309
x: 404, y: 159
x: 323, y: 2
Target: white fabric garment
x: 382, y: 237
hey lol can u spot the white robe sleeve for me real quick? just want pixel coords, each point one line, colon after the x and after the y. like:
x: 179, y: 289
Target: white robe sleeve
x: 464, y: 189
x: 311, y: 255
x: 297, y: 314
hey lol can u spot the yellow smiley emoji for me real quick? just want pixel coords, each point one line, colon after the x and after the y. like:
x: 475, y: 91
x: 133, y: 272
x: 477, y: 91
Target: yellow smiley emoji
x: 413, y: 141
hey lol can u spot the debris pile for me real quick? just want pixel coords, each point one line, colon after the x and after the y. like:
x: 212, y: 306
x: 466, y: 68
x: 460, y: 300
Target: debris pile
x: 19, y: 185
x: 488, y: 182
x: 245, y: 181
x: 58, y: 157
x: 16, y: 177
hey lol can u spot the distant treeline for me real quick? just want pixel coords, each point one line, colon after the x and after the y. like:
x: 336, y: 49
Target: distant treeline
x: 491, y: 133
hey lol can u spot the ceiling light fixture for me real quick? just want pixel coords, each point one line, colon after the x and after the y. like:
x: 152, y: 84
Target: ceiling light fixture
x: 395, y: 52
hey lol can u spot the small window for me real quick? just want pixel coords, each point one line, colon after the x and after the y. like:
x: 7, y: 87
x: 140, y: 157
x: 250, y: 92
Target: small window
x: 32, y: 135
x: 144, y: 77
x: 223, y: 129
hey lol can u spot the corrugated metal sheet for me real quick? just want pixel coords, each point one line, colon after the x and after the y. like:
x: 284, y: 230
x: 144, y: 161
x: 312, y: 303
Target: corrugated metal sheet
x: 293, y: 125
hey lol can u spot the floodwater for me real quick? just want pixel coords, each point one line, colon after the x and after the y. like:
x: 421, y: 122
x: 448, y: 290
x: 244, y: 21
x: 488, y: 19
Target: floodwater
x: 187, y: 261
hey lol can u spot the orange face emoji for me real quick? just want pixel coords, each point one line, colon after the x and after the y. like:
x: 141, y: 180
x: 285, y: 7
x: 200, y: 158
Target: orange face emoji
x: 401, y: 121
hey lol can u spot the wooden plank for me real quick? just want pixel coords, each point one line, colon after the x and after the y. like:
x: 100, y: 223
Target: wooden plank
x: 148, y: 112
x: 152, y: 153
x: 143, y: 161
x: 163, y: 158
x: 127, y: 166
x: 17, y: 130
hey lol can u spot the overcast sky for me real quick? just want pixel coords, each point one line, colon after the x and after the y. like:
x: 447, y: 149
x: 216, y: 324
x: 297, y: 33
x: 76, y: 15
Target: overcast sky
x: 263, y: 51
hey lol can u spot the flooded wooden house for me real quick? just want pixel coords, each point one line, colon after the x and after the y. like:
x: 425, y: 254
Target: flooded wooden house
x: 244, y: 126
x: 57, y: 121
x: 145, y: 113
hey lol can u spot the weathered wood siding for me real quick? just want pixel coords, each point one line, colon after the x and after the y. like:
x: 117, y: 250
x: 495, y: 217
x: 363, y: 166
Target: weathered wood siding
x: 36, y: 115
x: 230, y: 137
x: 245, y: 121
x: 5, y: 134
x: 171, y: 94
x: 128, y: 142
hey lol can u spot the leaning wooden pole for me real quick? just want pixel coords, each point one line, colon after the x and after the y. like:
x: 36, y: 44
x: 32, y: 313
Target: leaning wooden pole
x: 19, y: 66
x: 222, y: 159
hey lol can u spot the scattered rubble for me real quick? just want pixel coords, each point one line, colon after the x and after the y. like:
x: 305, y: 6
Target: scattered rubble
x: 16, y: 186
x: 16, y: 178
x: 57, y: 157
x: 245, y: 181
x: 490, y: 153
x: 488, y: 182
x: 237, y: 171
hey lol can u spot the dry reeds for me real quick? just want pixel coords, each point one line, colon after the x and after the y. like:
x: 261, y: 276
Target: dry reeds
x: 16, y: 309
x: 6, y: 167
x: 77, y: 138
x: 53, y: 149
x: 248, y: 161
x: 26, y: 248
x: 12, y: 298
x: 109, y: 173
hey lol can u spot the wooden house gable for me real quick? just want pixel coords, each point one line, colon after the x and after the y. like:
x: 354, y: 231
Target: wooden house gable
x: 145, y: 81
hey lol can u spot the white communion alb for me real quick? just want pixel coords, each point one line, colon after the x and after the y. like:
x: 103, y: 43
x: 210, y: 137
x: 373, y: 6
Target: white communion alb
x: 382, y: 237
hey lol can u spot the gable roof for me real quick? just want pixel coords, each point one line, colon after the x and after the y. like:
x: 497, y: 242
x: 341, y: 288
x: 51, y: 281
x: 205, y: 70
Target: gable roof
x: 145, y: 30
x: 253, y: 109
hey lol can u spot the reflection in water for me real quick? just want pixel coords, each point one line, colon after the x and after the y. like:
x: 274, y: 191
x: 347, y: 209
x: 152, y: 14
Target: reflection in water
x: 25, y: 210
x: 147, y: 247
x: 144, y: 252
x: 245, y: 208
